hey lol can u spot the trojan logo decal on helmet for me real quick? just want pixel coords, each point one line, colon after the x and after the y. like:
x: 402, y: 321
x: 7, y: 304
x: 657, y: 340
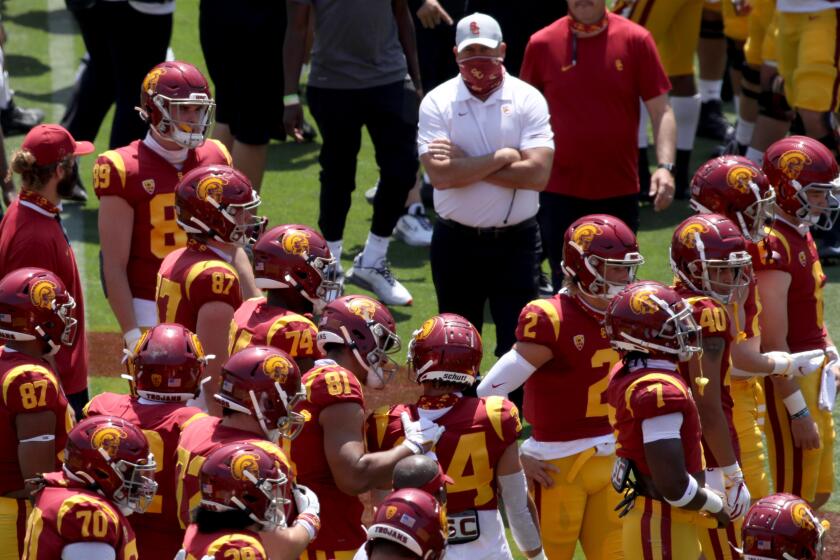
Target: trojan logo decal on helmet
x: 151, y: 80
x: 296, y: 242
x: 792, y: 162
x: 107, y: 438
x: 584, y: 234
x: 740, y: 177
x: 390, y: 512
x: 156, y: 379
x: 801, y: 515
x: 642, y: 304
x: 362, y: 307
x: 688, y: 234
x: 246, y: 462
x: 425, y: 329
x: 210, y: 187
x: 277, y: 367
x: 42, y: 294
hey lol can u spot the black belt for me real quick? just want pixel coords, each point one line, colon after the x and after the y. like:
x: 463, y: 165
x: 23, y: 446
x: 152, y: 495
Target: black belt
x: 490, y: 232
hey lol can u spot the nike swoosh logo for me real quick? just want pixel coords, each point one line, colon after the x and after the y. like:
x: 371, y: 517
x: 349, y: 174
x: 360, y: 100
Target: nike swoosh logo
x: 461, y: 114
x: 494, y: 385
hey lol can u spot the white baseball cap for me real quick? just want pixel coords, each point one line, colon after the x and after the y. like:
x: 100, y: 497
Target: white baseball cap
x: 478, y: 29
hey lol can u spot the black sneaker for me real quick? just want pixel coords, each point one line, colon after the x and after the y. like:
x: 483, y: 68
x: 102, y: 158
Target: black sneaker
x: 17, y: 120
x: 713, y: 124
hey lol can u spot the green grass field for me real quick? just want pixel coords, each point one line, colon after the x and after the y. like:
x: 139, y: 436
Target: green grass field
x: 42, y: 54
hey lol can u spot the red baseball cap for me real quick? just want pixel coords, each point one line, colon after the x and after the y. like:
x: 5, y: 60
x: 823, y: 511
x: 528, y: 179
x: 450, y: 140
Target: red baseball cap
x: 50, y: 143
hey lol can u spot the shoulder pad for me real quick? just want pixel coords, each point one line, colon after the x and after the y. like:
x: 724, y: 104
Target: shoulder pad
x: 82, y: 517
x: 30, y: 388
x: 332, y: 384
x: 504, y: 417
x: 539, y: 322
x: 655, y: 394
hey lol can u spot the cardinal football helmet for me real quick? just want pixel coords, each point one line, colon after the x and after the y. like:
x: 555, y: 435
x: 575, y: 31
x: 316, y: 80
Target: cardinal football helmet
x: 216, y: 201
x: 593, y: 247
x: 782, y: 527
x: 804, y: 174
x: 651, y: 318
x: 413, y: 519
x: 445, y: 348
x: 112, y: 456
x: 34, y: 305
x: 736, y: 188
x: 175, y: 100
x: 264, y: 382
x: 709, y: 254
x: 244, y: 476
x: 368, y: 328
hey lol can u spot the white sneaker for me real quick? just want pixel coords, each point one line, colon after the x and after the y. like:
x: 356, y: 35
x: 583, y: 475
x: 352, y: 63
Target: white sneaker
x: 379, y: 280
x: 414, y: 228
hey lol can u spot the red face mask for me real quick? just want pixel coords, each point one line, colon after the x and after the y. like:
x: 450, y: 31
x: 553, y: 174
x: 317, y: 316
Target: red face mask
x: 482, y: 74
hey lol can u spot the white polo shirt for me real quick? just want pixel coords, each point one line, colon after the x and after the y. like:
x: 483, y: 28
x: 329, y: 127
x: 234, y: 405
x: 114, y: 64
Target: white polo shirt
x: 514, y: 116
x: 806, y: 6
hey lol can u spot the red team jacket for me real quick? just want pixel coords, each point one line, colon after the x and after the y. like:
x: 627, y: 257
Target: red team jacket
x: 189, y: 278
x: 65, y: 513
x: 478, y: 431
x: 577, y: 375
x: 157, y: 529
x: 147, y: 183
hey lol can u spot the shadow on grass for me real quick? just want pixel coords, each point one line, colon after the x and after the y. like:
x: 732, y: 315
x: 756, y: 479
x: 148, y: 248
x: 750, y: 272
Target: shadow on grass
x: 290, y: 156
x: 22, y: 65
x: 37, y: 19
x: 58, y: 96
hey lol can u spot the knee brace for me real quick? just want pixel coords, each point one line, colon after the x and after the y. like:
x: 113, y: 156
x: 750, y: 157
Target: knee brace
x: 750, y: 82
x: 735, y: 54
x: 773, y: 104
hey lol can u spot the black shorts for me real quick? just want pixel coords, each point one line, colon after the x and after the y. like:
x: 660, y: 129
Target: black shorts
x: 243, y: 47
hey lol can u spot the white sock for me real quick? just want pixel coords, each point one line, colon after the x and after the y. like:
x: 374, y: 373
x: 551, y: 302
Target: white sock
x: 709, y: 89
x: 736, y: 101
x: 755, y: 156
x: 416, y: 208
x: 376, y: 249
x: 335, y: 249
x: 744, y: 132
x: 687, y: 114
x: 644, y: 117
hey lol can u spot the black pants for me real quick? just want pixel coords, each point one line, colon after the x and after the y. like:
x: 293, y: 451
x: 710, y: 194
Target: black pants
x: 77, y: 402
x: 253, y: 34
x: 557, y: 212
x: 390, y: 114
x: 124, y: 45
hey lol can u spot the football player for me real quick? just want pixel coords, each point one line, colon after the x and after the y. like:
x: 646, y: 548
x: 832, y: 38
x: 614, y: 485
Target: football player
x: 197, y: 286
x: 165, y: 370
x: 80, y: 512
x: 675, y: 26
x: 660, y: 465
x: 713, y: 268
x: 136, y: 185
x: 564, y: 358
x: 735, y: 187
x: 246, y: 504
x: 800, y: 431
x: 357, y: 335
x: 783, y: 527
x: 259, y: 389
x: 478, y: 450
x: 35, y: 313
x: 294, y: 265
x: 410, y: 524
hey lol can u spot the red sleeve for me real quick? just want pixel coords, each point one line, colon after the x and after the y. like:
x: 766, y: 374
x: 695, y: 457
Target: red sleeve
x: 216, y: 281
x: 296, y: 335
x: 529, y: 71
x: 383, y: 429
x: 330, y: 385
x: 31, y: 388
x: 652, y: 79
x: 86, y: 519
x: 109, y: 176
x: 771, y: 253
x: 656, y: 395
x: 539, y: 323
x: 504, y: 417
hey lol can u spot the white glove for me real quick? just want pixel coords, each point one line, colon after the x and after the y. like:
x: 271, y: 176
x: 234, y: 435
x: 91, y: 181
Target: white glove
x: 306, y: 500
x: 131, y: 337
x: 805, y: 363
x: 420, y: 435
x: 828, y: 385
x: 737, y: 494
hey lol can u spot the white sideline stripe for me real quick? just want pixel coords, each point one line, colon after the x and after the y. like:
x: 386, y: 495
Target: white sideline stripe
x: 63, y: 65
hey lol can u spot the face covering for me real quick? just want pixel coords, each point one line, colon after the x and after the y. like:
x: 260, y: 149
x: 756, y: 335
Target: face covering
x: 482, y: 74
x: 579, y: 27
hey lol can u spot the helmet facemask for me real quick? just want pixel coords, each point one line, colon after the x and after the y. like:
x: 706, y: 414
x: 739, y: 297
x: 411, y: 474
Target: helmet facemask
x: 247, y: 226
x: 273, y: 489
x: 758, y: 215
x: 378, y: 363
x: 824, y: 220
x: 679, y: 326
x: 723, y: 279
x: 178, y: 118
x: 603, y: 269
x: 328, y: 288
x: 138, y: 483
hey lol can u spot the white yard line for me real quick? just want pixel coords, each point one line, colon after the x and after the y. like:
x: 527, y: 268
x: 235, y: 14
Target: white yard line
x: 63, y: 65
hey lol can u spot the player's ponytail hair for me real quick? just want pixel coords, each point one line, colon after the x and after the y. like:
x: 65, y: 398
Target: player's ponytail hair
x: 34, y: 176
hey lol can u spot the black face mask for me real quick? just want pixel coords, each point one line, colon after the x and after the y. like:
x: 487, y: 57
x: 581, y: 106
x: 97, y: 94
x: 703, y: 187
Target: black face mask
x: 65, y: 185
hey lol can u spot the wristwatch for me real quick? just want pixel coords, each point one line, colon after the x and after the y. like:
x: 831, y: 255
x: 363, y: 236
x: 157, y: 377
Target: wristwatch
x: 668, y: 166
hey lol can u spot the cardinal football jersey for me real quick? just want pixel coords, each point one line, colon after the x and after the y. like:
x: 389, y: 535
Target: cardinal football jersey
x: 256, y: 323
